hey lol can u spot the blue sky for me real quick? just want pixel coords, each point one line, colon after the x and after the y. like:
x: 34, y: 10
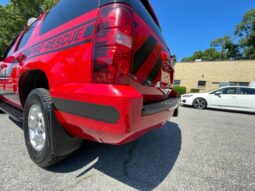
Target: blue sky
x: 190, y: 25
x: 3, y: 2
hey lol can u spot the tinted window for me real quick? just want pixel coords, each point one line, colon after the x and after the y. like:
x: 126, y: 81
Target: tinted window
x: 229, y: 90
x: 239, y: 83
x: 247, y: 91
x: 66, y: 10
x: 142, y: 11
x: 26, y: 36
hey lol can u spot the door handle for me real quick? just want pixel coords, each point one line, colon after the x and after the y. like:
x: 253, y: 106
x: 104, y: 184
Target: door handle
x: 21, y: 58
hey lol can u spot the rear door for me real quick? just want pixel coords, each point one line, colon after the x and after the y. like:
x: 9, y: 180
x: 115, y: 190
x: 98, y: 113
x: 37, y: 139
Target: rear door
x: 152, y: 68
x: 13, y: 62
x: 246, y: 99
x: 2, y: 78
x: 5, y: 68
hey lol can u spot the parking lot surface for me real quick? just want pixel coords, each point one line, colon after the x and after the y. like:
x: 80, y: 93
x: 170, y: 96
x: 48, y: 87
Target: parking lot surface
x: 199, y: 150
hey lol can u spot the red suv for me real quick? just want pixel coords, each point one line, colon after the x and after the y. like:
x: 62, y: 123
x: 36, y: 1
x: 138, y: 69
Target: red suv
x: 98, y: 70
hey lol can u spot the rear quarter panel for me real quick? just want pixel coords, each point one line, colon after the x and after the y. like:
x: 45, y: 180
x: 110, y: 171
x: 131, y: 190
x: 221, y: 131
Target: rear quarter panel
x: 64, y: 53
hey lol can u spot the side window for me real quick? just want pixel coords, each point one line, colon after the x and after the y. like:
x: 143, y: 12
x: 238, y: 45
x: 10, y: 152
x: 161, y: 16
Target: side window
x: 219, y: 90
x: 228, y: 91
x: 10, y: 48
x: 239, y: 83
x: 26, y: 36
x: 247, y: 91
x: 66, y: 10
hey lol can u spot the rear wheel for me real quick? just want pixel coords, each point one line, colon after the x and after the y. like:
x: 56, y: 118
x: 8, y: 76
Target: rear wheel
x: 200, y: 103
x: 36, y: 127
x: 176, y: 112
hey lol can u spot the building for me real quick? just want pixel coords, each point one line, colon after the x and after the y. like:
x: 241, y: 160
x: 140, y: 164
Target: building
x: 206, y: 76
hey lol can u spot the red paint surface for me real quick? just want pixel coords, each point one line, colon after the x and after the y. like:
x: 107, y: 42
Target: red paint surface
x: 69, y: 73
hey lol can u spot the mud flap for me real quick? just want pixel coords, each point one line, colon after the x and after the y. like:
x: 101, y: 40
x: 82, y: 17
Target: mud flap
x: 62, y: 142
x: 176, y: 112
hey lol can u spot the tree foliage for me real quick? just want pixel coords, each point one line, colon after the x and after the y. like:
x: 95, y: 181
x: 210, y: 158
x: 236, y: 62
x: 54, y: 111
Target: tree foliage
x: 209, y: 54
x: 14, y: 17
x: 228, y: 50
x: 225, y: 49
x: 246, y: 32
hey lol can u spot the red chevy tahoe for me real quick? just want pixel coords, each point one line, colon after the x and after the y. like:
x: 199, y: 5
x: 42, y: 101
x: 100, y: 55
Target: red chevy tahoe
x: 98, y: 70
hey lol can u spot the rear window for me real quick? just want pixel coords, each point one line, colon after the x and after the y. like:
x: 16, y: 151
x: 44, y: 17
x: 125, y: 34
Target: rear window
x: 247, y: 91
x: 65, y: 11
x: 26, y: 36
x: 144, y: 13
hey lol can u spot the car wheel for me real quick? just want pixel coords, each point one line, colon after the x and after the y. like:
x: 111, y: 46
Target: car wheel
x: 176, y: 112
x: 200, y: 103
x: 36, y: 128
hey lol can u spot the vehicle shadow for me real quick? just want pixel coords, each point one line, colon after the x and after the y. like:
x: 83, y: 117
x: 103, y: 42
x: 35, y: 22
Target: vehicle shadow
x: 231, y: 111
x: 18, y: 124
x: 142, y: 164
x: 223, y: 110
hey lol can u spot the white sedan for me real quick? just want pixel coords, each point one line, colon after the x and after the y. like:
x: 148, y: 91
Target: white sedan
x: 227, y: 98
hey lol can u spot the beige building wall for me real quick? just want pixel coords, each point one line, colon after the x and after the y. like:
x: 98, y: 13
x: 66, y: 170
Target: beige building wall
x: 213, y: 73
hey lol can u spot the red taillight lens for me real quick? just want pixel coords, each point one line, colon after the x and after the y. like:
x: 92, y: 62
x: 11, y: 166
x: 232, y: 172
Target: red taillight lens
x: 112, y: 55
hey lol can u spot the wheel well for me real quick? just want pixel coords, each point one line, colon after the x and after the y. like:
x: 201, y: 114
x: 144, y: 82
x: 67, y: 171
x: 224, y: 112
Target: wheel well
x: 30, y: 81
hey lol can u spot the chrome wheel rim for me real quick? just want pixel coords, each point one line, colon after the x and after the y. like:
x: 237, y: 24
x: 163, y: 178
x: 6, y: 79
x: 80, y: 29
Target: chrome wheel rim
x: 36, y: 127
x: 199, y: 104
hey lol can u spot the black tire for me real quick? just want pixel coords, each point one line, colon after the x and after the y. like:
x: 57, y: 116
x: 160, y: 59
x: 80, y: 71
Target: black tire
x: 43, y: 158
x: 200, y: 103
x: 176, y: 112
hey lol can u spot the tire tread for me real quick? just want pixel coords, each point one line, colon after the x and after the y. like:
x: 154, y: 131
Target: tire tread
x: 47, y: 102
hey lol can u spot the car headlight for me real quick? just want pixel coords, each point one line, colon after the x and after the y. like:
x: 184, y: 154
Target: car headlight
x: 188, y: 95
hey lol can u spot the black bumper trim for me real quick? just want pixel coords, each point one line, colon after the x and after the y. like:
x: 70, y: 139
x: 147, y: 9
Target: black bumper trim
x: 152, y: 108
x: 96, y: 112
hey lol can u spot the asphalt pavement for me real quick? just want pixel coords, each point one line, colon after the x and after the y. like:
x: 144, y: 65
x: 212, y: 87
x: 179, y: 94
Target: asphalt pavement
x: 199, y: 150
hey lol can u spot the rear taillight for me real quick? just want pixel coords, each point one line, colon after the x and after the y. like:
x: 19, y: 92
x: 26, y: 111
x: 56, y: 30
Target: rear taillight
x: 112, y: 55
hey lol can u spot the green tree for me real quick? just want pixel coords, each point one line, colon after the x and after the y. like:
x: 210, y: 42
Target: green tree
x: 27, y: 8
x: 246, y: 32
x: 220, y: 45
x: 209, y: 54
x: 233, y: 51
x: 196, y: 55
x: 14, y: 17
x: 11, y: 24
x: 228, y: 50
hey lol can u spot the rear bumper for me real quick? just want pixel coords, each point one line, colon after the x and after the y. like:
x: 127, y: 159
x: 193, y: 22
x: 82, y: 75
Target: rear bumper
x: 107, y: 113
